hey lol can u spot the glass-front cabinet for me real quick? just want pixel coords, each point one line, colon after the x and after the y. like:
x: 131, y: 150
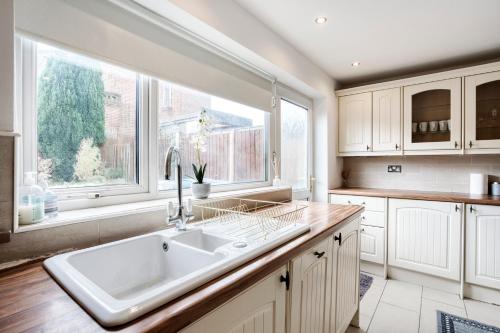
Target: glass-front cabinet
x: 482, y: 111
x: 432, y: 115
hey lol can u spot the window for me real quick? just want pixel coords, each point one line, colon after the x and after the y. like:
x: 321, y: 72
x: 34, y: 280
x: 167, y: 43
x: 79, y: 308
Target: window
x: 294, y: 145
x: 81, y: 121
x: 234, y: 147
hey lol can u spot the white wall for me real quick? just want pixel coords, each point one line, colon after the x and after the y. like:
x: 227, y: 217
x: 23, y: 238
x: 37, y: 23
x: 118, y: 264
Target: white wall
x: 225, y: 23
x: 7, y: 65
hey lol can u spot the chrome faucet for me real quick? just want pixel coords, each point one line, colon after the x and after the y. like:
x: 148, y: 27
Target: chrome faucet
x: 184, y: 214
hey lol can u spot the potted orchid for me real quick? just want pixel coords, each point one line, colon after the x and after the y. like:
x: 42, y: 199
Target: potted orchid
x: 201, y: 189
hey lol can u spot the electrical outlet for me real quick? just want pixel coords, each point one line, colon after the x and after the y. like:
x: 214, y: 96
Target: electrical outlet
x: 394, y: 168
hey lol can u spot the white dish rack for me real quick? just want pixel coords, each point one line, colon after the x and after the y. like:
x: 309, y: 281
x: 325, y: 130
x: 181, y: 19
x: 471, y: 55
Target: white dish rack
x: 250, y: 220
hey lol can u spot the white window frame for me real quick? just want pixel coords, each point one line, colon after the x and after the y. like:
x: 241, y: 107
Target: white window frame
x: 147, y: 188
x: 74, y: 197
x: 291, y: 96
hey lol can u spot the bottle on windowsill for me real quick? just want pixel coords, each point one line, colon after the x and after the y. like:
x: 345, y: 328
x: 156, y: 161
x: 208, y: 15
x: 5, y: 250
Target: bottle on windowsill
x: 31, y: 208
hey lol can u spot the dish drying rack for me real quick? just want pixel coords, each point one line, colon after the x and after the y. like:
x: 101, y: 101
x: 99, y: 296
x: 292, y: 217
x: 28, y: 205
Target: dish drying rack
x: 248, y: 219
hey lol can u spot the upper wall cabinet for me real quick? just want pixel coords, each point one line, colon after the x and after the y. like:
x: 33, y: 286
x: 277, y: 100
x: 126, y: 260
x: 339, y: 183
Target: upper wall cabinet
x: 355, y: 123
x: 482, y: 111
x: 432, y: 115
x: 387, y: 120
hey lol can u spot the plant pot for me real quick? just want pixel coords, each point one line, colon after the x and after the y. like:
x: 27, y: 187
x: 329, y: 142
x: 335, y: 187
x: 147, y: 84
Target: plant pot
x: 200, y: 191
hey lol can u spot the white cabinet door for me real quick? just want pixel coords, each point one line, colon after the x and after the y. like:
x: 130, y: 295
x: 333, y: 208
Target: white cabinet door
x: 426, y: 105
x: 311, y: 289
x: 372, y: 244
x: 387, y: 120
x: 260, y: 309
x: 424, y: 236
x: 345, y: 276
x: 482, y: 264
x: 355, y: 123
x: 482, y: 111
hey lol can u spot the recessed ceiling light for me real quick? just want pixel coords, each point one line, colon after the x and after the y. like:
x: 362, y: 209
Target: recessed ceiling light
x: 320, y: 20
x: 355, y: 64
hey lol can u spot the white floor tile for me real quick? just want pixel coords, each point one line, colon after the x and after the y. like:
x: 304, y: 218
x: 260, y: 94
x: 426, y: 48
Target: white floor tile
x: 370, y: 301
x: 428, y: 315
x: 364, y: 321
x: 405, y: 295
x: 377, y: 280
x: 483, y: 312
x: 443, y: 297
x: 392, y: 319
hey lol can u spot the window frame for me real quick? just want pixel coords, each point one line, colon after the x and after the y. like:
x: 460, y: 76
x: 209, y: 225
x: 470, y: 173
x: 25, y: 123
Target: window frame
x: 293, y: 97
x: 73, y: 198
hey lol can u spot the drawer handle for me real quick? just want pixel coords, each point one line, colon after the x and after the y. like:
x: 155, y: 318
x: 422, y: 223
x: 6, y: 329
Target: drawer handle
x: 363, y: 203
x: 363, y: 217
x: 319, y: 254
x: 397, y: 146
x: 471, y: 209
x: 349, y: 202
x: 338, y: 238
x: 456, y: 144
x: 362, y: 229
x: 457, y: 208
x: 470, y: 144
x: 286, y: 279
x: 367, y: 147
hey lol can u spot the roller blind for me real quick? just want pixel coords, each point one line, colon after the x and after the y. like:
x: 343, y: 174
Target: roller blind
x: 103, y: 30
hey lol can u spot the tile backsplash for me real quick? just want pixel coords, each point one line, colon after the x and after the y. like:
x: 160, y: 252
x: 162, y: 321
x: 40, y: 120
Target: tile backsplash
x: 422, y: 173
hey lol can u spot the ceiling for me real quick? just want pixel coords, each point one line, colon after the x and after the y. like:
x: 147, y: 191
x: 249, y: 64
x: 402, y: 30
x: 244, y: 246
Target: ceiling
x: 388, y: 37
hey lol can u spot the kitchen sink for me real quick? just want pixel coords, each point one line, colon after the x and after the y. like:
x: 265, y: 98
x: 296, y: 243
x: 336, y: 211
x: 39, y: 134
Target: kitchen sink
x: 120, y: 281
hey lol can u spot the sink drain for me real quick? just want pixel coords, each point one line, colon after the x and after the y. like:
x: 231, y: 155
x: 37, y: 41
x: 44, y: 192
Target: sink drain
x: 165, y: 246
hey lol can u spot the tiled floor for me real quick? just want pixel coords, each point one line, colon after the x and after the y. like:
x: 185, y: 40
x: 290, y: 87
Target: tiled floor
x: 395, y: 306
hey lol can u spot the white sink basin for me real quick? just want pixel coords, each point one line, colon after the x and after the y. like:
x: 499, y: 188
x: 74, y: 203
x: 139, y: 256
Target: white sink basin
x: 120, y: 281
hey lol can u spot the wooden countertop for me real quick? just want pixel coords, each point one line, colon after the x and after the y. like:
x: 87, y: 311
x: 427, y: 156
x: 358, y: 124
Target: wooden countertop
x: 421, y: 195
x: 31, y: 301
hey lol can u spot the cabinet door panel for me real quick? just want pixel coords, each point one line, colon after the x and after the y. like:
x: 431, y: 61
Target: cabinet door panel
x: 482, y: 111
x: 355, y: 123
x: 345, y: 276
x: 427, y: 105
x: 425, y: 236
x: 260, y: 309
x: 311, y: 285
x: 483, y: 245
x: 387, y: 120
x: 372, y: 244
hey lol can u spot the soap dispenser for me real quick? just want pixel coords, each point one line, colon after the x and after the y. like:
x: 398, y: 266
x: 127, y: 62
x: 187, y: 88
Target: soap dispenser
x: 31, y: 201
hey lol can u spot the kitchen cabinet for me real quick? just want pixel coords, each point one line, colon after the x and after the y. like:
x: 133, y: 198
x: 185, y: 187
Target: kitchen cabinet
x: 425, y: 236
x: 482, y: 265
x: 262, y: 309
x: 345, y: 278
x: 311, y: 289
x: 433, y: 115
x: 482, y: 111
x: 387, y: 120
x: 355, y: 123
x: 372, y: 244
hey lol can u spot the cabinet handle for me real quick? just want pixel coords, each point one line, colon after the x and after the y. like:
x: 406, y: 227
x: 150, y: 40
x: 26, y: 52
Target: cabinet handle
x: 362, y: 229
x: 349, y: 202
x: 457, y: 208
x: 319, y: 254
x: 471, y: 209
x: 397, y: 146
x: 456, y: 144
x: 367, y: 147
x: 363, y: 217
x: 338, y: 238
x: 470, y: 144
x: 286, y: 279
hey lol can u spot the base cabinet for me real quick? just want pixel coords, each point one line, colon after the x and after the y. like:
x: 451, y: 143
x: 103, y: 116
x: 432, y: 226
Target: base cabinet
x: 345, y: 279
x: 483, y: 246
x: 260, y: 309
x: 311, y: 289
x: 425, y: 236
x: 372, y: 244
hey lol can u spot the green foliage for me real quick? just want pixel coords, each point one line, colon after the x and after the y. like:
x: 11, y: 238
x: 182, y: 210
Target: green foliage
x: 88, y: 163
x: 70, y: 108
x: 199, y: 172
x: 114, y: 173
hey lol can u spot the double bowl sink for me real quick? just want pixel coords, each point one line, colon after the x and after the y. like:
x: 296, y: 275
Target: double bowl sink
x: 120, y: 281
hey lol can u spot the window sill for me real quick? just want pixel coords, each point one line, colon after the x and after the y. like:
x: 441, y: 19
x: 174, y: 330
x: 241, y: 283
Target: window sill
x: 106, y: 212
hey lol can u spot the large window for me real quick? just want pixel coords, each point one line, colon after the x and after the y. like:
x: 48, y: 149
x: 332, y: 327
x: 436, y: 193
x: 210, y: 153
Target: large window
x: 89, y: 130
x: 82, y: 117
x: 234, y: 145
x: 295, y: 147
